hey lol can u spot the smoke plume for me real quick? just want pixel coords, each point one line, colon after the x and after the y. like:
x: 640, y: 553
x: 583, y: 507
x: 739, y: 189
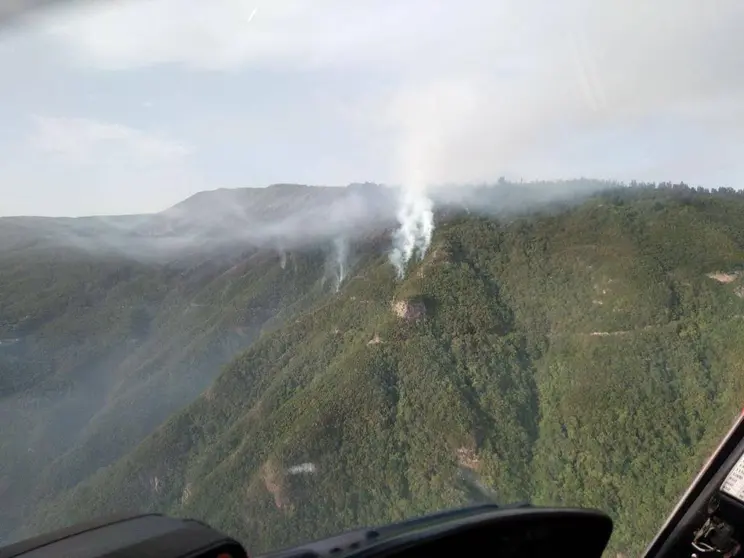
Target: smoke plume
x: 341, y: 253
x: 432, y: 118
x: 413, y: 236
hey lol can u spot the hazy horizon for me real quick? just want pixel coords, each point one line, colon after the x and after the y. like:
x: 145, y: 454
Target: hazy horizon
x: 99, y: 120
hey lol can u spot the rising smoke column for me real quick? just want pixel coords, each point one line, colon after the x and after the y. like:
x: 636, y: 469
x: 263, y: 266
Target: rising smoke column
x: 282, y: 257
x: 431, y: 120
x: 413, y: 236
x: 341, y: 250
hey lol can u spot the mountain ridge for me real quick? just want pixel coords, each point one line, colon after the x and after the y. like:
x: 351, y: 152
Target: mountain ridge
x: 279, y: 216
x: 495, y: 373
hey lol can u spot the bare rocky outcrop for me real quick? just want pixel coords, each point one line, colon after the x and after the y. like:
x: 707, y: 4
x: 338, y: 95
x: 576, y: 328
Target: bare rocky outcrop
x: 409, y: 309
x: 467, y: 458
x: 375, y: 340
x: 272, y: 478
x: 723, y: 277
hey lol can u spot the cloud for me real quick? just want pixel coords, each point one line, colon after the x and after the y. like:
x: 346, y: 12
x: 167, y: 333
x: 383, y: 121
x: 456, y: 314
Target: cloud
x: 626, y: 37
x: 80, y: 166
x: 82, y: 140
x: 11, y: 9
x: 565, y: 75
x: 224, y: 34
x: 472, y: 89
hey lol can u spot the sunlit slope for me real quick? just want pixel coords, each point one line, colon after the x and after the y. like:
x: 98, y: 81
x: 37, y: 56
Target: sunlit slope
x: 584, y: 357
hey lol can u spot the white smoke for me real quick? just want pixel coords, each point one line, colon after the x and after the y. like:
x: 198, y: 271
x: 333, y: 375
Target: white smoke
x: 302, y: 468
x: 413, y: 237
x: 432, y: 120
x: 341, y: 251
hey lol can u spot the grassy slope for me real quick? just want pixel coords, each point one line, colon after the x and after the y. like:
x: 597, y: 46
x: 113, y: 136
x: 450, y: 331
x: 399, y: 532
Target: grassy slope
x: 580, y: 358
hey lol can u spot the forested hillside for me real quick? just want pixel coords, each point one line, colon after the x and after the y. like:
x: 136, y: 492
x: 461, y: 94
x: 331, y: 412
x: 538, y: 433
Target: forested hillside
x: 587, y: 355
x: 98, y: 347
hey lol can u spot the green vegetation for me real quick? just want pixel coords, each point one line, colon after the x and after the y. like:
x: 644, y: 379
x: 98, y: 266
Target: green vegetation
x: 96, y: 352
x: 578, y: 356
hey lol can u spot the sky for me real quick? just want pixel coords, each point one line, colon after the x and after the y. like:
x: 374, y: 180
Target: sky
x: 116, y: 107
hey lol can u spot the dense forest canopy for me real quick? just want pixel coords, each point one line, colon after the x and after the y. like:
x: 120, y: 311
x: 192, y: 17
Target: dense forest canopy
x: 581, y: 350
